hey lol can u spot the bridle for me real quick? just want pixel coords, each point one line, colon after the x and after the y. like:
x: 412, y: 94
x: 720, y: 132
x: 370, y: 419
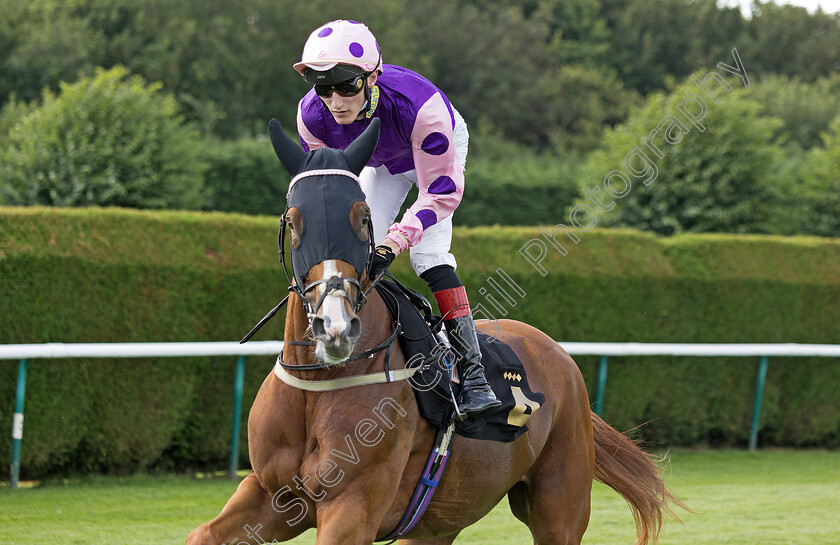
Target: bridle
x: 334, y: 285
x: 335, y: 243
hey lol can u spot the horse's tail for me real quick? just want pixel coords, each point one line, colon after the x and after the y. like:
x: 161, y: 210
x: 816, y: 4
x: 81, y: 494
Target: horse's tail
x: 636, y: 475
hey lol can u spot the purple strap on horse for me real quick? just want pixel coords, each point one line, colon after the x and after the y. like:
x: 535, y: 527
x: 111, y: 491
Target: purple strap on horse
x: 426, y: 487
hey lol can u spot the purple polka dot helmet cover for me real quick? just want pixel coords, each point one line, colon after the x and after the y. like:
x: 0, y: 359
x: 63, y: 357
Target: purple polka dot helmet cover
x: 342, y: 41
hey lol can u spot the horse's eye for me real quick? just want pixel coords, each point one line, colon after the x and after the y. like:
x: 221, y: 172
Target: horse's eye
x: 366, y: 220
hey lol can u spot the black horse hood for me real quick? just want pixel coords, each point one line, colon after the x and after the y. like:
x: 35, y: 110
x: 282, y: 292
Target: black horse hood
x: 324, y: 188
x: 325, y: 202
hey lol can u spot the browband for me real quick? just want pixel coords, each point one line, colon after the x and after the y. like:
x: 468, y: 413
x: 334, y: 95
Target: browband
x: 324, y: 172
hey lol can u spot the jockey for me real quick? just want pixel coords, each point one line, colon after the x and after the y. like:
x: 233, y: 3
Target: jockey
x: 423, y: 141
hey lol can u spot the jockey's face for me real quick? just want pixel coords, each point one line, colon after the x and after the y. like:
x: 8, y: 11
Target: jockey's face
x: 346, y: 110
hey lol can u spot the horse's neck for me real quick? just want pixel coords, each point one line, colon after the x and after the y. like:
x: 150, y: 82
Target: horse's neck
x: 377, y: 324
x: 295, y: 331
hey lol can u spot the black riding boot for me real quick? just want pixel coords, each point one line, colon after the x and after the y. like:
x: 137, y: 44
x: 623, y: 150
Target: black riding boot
x: 451, y: 298
x: 476, y: 395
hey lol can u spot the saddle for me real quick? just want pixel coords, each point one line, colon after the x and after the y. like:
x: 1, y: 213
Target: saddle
x: 436, y: 386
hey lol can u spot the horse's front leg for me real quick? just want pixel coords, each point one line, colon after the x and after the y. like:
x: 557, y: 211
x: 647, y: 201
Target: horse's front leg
x: 251, y: 515
x: 359, y: 504
x: 355, y: 517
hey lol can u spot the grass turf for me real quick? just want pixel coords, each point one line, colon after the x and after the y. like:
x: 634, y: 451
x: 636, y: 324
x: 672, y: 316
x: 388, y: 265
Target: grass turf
x: 741, y: 498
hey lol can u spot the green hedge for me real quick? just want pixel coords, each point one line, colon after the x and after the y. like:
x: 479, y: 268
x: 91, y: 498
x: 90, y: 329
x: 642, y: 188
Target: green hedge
x: 625, y: 286
x: 94, y: 275
x: 125, y: 276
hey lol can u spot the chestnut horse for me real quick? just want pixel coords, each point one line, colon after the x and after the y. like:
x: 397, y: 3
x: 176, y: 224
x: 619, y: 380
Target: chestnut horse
x: 346, y: 458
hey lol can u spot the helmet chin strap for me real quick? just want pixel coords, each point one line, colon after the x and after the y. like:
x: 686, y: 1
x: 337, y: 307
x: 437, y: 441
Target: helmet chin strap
x: 363, y: 114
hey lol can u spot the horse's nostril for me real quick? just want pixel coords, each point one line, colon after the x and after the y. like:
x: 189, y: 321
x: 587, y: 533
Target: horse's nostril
x: 319, y: 329
x: 355, y: 330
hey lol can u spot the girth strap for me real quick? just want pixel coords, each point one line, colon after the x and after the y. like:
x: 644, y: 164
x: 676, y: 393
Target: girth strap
x: 426, y: 487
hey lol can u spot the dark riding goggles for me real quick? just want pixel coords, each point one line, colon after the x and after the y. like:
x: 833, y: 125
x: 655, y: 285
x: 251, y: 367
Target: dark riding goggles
x: 345, y: 89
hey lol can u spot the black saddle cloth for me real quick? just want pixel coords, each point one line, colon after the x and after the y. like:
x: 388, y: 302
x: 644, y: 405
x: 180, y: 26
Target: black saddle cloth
x: 432, y: 385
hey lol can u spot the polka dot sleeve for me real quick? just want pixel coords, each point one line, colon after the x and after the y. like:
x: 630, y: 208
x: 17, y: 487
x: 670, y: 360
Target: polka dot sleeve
x: 308, y: 140
x: 440, y: 178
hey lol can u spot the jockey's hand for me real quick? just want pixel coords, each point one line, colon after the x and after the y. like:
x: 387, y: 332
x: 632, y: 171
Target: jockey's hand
x: 382, y: 259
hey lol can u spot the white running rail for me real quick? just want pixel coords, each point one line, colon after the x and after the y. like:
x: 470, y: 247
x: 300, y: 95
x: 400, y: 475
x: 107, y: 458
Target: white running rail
x: 24, y: 352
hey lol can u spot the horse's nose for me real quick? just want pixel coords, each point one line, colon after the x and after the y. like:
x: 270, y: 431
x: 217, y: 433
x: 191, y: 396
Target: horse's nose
x: 335, y: 324
x: 326, y: 329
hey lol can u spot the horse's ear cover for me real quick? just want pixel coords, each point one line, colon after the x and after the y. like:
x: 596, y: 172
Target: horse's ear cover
x: 360, y: 150
x: 286, y: 149
x: 357, y: 154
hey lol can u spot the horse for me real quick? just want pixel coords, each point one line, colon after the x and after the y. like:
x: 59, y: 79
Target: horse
x: 339, y: 445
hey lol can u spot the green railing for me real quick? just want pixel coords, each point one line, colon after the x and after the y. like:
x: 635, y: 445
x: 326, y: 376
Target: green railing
x: 26, y: 352
x: 761, y: 351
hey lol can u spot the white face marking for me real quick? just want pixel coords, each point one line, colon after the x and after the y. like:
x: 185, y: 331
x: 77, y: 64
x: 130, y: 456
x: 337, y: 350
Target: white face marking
x: 336, y: 320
